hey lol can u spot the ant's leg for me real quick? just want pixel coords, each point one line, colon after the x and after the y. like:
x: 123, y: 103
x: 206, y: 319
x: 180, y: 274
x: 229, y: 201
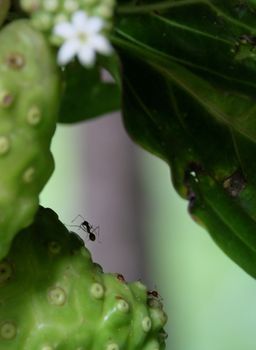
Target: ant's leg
x: 78, y: 217
x: 77, y: 226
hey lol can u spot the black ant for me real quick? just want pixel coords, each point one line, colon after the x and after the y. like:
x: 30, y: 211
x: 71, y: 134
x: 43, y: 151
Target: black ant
x: 153, y: 293
x: 87, y: 227
x: 120, y: 277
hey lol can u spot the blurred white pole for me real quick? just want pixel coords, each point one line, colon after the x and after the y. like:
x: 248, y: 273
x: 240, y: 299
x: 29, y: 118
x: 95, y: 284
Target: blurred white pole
x: 113, y: 199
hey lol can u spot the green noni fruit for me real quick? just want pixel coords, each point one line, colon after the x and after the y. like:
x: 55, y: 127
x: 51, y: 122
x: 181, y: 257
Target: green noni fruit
x: 29, y: 99
x: 4, y: 7
x: 53, y: 297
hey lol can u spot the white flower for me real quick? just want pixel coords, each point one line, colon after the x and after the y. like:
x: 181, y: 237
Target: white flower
x: 82, y: 38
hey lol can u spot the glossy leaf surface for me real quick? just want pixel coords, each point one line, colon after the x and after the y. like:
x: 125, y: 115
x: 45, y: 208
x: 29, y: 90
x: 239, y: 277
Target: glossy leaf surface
x: 189, y: 87
x: 86, y: 95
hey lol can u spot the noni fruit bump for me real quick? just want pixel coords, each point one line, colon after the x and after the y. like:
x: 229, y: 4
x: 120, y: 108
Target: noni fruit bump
x: 53, y: 297
x: 29, y: 100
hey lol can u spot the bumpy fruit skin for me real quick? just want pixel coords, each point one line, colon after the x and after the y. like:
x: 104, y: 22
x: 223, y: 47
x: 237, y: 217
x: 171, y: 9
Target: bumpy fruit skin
x: 53, y: 297
x: 29, y: 98
x: 4, y: 7
x: 45, y: 14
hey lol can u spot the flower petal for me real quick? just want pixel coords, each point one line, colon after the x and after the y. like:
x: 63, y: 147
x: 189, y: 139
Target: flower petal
x: 86, y: 55
x: 94, y: 24
x: 64, y: 30
x: 79, y: 20
x: 101, y: 44
x: 67, y: 52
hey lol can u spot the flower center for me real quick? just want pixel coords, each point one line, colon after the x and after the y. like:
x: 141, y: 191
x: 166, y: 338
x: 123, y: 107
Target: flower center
x: 82, y: 36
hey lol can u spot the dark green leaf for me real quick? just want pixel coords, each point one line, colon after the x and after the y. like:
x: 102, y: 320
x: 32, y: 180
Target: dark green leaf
x: 189, y: 93
x: 85, y: 95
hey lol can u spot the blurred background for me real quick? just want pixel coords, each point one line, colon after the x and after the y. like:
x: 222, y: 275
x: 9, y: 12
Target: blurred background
x: 147, y: 234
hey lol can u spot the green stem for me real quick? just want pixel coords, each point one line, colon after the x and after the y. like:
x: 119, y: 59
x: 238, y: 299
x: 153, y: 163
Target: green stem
x: 159, y: 6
